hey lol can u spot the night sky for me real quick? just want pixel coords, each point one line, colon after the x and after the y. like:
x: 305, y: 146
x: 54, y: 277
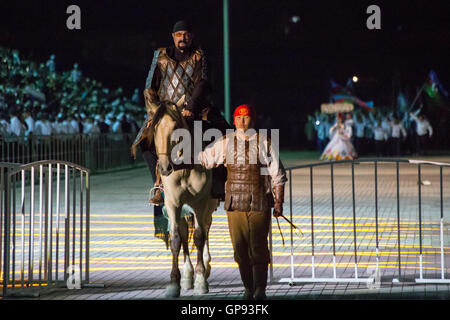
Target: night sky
x: 283, y: 68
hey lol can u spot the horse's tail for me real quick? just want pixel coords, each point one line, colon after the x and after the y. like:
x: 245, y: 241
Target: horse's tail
x: 161, y: 224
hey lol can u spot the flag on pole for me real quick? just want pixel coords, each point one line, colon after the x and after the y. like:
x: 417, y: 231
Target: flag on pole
x: 341, y: 94
x: 433, y: 86
x: 402, y: 103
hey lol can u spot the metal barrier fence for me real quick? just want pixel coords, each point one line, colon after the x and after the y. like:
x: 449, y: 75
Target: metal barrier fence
x: 387, y: 217
x: 45, y: 227
x: 94, y: 151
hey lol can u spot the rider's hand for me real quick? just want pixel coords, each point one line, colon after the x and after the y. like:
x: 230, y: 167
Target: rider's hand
x: 187, y: 113
x: 277, y: 209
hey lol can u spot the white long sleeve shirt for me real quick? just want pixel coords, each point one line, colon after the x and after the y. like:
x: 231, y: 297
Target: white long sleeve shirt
x: 221, y: 153
x: 379, y: 134
x: 346, y: 131
x: 74, y: 124
x: 43, y: 127
x: 422, y: 126
x: 56, y: 128
x: 359, y: 129
x: 387, y: 126
x: 4, y: 128
x: 30, y: 123
x: 68, y: 128
x: 16, y: 127
x: 90, y: 128
x: 398, y: 131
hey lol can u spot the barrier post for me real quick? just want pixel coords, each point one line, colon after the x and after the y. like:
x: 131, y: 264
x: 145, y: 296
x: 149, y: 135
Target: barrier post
x: 354, y: 221
x: 399, y: 279
x: 313, y: 273
x: 17, y: 265
x: 333, y: 221
x: 292, y: 229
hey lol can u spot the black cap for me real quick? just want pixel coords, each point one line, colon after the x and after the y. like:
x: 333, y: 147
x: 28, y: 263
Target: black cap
x: 181, y: 25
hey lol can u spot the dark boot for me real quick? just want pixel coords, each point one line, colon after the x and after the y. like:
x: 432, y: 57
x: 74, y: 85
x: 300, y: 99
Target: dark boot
x: 247, y: 279
x: 260, y: 281
x: 219, y: 177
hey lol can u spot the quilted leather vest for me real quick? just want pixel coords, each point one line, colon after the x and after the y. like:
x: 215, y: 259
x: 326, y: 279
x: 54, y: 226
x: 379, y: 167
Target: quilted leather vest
x: 246, y: 189
x: 177, y: 78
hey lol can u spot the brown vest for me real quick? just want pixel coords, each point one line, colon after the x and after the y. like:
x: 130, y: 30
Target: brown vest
x: 178, y: 78
x: 246, y: 189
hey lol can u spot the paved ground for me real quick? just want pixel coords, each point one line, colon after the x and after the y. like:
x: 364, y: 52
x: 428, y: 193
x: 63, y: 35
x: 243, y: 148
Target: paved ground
x: 133, y: 264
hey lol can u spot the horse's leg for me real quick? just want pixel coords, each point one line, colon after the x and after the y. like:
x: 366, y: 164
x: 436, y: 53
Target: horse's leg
x: 206, y: 259
x: 211, y: 207
x: 187, y: 278
x: 200, y: 233
x: 173, y: 289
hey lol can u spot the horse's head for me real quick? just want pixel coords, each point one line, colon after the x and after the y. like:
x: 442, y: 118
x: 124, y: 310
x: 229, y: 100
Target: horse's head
x: 167, y: 118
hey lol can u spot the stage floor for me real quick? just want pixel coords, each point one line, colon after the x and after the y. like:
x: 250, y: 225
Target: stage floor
x: 133, y: 264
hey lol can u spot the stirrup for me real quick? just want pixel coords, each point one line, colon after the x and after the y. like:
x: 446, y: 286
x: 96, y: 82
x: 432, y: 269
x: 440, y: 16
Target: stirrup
x: 152, y: 194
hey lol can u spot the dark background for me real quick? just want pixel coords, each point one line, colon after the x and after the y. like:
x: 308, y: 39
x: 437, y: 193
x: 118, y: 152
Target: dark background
x: 283, y: 68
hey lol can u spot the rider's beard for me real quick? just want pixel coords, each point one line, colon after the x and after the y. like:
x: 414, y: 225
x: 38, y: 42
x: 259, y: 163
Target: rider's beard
x: 182, y: 45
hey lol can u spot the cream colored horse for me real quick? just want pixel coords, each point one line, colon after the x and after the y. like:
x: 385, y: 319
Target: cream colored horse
x: 189, y: 185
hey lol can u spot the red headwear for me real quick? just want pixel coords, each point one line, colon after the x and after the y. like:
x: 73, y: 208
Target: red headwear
x: 244, y: 110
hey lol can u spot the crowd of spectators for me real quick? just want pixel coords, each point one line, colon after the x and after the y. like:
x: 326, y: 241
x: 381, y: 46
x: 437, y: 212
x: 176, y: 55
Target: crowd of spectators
x: 39, y: 99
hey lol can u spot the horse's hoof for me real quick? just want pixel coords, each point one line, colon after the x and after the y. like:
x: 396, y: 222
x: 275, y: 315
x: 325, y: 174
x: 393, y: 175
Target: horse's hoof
x: 172, y: 291
x: 187, y: 283
x: 201, y: 288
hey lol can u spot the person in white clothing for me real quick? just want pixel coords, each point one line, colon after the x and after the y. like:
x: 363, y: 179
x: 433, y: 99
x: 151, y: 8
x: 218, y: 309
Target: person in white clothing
x: 16, y: 127
x: 116, y: 128
x: 386, y: 123
x: 360, y: 126
x: 340, y: 147
x: 349, y: 122
x: 56, y: 125
x: 4, y: 127
x: 17, y: 132
x: 50, y: 64
x: 424, y: 131
x: 75, y: 74
x: 398, y: 134
x: 320, y: 125
x: 42, y: 127
x: 67, y: 127
x: 74, y: 123
x: 29, y: 122
x: 90, y: 127
x: 380, y: 137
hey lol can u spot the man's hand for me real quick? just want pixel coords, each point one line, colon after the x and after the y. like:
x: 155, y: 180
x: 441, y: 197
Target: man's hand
x: 187, y: 113
x: 277, y: 209
x: 279, y: 198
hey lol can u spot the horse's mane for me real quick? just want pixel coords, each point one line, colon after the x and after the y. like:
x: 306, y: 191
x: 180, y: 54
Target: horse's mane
x: 171, y: 109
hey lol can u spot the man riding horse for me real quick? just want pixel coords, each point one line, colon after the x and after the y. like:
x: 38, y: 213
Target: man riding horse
x: 177, y: 71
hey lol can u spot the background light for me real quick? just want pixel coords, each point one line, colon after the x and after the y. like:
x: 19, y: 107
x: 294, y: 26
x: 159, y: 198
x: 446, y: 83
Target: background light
x: 295, y: 19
